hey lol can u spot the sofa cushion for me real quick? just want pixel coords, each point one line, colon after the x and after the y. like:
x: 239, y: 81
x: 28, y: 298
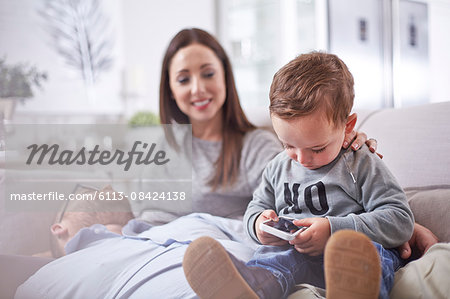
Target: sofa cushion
x: 431, y: 206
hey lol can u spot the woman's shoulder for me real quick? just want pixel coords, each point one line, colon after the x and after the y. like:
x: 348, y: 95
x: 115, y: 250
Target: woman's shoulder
x: 261, y: 136
x: 259, y: 147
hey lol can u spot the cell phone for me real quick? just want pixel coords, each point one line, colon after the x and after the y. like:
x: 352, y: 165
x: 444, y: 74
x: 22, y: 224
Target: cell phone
x: 284, y: 228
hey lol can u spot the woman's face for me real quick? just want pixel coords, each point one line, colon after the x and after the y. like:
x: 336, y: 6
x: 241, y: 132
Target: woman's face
x: 197, y: 82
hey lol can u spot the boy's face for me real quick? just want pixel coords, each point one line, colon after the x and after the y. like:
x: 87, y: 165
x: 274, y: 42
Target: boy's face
x: 310, y: 140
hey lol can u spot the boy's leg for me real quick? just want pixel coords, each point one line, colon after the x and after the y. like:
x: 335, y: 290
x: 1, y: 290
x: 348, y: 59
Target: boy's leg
x: 352, y: 266
x: 272, y: 273
x: 390, y: 262
x: 289, y: 266
x: 426, y: 277
x: 214, y: 273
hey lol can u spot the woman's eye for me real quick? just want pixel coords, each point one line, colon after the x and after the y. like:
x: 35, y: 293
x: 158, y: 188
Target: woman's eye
x: 182, y: 80
x: 208, y: 74
x: 319, y: 150
x: 287, y: 147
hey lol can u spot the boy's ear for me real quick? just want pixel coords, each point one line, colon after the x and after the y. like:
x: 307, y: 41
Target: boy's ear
x: 351, y: 122
x: 59, y: 231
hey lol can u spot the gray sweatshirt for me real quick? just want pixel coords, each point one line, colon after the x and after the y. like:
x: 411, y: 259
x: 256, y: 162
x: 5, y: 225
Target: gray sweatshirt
x: 356, y: 191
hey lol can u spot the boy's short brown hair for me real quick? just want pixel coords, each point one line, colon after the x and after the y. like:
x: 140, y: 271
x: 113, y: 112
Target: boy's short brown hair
x: 311, y: 81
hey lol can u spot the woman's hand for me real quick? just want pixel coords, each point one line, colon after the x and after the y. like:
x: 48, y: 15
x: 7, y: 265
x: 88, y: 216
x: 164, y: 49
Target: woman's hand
x: 313, y: 239
x: 264, y: 237
x: 361, y: 138
x: 422, y: 239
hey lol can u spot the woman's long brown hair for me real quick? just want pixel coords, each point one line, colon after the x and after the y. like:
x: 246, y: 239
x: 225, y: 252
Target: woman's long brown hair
x: 235, y: 123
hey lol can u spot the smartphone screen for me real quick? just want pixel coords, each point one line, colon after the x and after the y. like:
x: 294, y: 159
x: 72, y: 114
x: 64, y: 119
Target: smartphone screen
x: 283, y: 225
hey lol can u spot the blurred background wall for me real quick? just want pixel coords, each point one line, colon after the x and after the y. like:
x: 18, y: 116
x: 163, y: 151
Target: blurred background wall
x: 396, y: 49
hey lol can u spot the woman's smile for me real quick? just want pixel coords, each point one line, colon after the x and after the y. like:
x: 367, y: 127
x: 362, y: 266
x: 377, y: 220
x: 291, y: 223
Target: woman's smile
x: 201, y: 104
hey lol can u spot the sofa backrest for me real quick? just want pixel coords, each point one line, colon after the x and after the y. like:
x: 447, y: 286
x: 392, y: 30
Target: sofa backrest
x: 415, y: 142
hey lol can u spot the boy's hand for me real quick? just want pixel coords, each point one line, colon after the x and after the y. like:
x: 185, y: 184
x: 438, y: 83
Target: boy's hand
x: 264, y: 237
x: 312, y: 240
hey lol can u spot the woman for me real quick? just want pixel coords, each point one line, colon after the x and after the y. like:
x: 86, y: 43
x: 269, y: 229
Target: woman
x: 228, y: 152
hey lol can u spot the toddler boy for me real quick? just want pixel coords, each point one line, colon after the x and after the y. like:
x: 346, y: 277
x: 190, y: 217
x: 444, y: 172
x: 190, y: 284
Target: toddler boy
x: 325, y: 188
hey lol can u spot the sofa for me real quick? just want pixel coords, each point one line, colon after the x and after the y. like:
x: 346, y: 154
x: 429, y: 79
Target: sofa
x: 415, y: 143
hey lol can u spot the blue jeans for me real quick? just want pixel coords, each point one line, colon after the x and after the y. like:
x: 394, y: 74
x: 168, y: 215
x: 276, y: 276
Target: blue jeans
x: 291, y: 267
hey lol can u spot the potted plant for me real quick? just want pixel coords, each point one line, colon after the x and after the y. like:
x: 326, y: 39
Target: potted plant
x: 144, y: 119
x: 16, y: 83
